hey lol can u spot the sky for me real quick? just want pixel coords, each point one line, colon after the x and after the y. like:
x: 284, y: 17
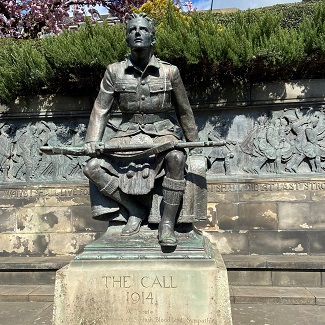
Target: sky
x: 240, y: 4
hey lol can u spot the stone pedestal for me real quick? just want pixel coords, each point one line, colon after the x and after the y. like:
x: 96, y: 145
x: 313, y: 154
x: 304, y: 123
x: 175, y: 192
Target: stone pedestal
x: 144, y: 290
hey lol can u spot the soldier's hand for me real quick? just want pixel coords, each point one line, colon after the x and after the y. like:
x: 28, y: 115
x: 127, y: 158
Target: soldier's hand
x: 92, y: 149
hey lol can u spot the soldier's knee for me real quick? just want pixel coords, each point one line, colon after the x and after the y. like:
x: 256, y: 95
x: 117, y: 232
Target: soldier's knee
x: 92, y: 168
x: 176, y: 158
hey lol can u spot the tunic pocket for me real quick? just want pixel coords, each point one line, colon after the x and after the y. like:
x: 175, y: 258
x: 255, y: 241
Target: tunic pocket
x: 127, y: 96
x: 160, y: 92
x: 125, y: 87
x: 160, y: 86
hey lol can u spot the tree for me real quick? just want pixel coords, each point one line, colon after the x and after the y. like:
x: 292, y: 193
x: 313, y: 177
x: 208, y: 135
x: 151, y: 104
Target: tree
x: 158, y: 9
x: 27, y: 18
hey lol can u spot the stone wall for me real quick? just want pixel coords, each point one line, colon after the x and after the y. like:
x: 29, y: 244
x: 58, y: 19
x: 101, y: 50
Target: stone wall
x: 266, y: 179
x: 267, y: 216
x: 46, y: 220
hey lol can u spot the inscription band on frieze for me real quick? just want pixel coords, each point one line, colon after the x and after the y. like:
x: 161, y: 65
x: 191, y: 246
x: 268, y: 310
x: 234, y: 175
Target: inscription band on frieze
x: 34, y: 192
x: 223, y: 187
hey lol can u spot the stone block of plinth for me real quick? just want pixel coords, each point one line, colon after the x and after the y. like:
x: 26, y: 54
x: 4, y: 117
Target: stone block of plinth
x: 124, y: 288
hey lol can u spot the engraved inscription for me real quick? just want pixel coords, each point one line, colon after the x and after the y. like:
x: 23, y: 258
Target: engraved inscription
x: 117, y: 281
x: 266, y: 187
x: 139, y: 297
x: 125, y: 281
x: 136, y: 295
x: 145, y: 298
x: 163, y: 282
x: 39, y: 192
x: 161, y: 320
x: 156, y: 320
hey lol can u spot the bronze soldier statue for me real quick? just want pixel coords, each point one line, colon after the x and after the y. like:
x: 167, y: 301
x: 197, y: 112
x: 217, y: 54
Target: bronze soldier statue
x: 146, y: 90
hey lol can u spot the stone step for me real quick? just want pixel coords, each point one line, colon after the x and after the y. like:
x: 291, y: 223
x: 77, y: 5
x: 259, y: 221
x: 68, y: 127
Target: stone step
x: 238, y: 294
x: 31, y: 270
x: 274, y: 262
x: 292, y: 262
x: 243, y: 270
x: 277, y: 295
x: 34, y: 263
x: 277, y: 278
x: 24, y: 293
x: 277, y: 271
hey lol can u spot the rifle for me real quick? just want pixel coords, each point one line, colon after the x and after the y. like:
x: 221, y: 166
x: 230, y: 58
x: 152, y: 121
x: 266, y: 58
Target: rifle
x: 129, y: 151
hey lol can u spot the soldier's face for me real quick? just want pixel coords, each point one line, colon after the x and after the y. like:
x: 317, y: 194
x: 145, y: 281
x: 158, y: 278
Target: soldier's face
x: 138, y: 34
x: 6, y: 128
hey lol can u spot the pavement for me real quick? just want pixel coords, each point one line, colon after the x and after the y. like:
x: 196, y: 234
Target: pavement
x: 269, y: 314
x: 37, y: 313
x: 33, y: 305
x: 26, y: 313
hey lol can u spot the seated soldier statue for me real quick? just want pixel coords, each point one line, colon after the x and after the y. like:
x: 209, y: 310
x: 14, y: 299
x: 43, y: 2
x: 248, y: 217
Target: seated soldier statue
x: 148, y: 92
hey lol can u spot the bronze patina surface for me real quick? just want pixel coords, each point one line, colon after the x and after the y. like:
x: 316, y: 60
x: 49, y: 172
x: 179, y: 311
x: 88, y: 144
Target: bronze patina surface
x: 155, y: 110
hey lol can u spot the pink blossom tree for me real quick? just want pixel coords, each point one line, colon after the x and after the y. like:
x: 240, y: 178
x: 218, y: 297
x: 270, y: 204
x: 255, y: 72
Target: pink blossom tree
x: 27, y: 18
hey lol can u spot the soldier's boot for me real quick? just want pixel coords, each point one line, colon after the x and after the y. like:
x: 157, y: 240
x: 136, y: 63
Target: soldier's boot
x: 5, y: 173
x: 136, y: 211
x: 227, y: 165
x: 318, y: 168
x: 173, y: 191
x: 296, y: 162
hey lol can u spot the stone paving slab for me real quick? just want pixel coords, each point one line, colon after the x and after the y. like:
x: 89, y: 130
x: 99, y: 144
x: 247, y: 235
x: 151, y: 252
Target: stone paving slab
x: 42, y: 293
x: 12, y: 293
x: 18, y: 293
x: 246, y: 314
x: 40, y: 313
x: 238, y: 294
x: 244, y: 261
x: 319, y: 294
x: 273, y: 295
x: 26, y: 313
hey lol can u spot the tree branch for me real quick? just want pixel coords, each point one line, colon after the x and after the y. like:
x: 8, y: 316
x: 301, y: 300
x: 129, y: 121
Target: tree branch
x: 4, y: 11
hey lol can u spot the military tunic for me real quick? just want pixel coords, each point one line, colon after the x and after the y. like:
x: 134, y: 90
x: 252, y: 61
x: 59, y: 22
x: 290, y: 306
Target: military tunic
x: 146, y: 100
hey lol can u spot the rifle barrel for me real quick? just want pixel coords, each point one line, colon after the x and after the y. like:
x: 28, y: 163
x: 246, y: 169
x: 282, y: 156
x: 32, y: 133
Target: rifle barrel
x: 103, y: 148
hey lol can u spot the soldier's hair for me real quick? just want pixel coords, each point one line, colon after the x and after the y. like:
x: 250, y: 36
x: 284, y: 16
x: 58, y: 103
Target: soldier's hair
x: 144, y: 16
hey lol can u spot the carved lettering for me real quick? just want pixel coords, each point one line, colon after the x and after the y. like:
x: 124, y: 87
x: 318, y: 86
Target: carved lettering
x: 139, y: 298
x: 148, y: 317
x: 266, y: 187
x: 117, y: 281
x: 36, y: 193
x: 161, y: 282
x: 125, y: 281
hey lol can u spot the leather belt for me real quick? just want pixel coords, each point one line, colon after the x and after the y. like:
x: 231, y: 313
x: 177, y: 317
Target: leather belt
x: 144, y: 118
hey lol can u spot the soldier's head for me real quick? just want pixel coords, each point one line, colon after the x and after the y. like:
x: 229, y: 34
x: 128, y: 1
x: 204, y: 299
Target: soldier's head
x: 5, y: 128
x: 315, y: 117
x: 140, y: 31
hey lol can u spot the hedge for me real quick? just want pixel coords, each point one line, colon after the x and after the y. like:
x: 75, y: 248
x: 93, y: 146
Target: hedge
x: 281, y: 42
